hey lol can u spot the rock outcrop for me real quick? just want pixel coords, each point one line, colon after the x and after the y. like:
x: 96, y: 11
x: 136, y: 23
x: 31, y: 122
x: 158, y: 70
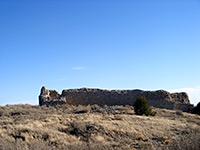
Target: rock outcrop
x: 85, y: 96
x: 50, y: 97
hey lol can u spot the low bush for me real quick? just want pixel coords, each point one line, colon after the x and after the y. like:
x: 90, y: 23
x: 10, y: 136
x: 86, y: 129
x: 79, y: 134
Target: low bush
x: 141, y: 107
x: 179, y: 113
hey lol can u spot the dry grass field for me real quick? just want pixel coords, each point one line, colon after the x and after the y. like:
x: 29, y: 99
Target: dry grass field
x: 24, y: 127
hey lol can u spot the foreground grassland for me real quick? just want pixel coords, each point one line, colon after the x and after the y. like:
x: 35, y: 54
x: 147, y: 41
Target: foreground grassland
x: 24, y: 127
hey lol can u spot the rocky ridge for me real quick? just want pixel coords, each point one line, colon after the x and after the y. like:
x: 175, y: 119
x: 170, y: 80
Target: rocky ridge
x: 86, y: 96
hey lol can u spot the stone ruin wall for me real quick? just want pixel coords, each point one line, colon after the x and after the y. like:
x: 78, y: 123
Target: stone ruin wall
x: 86, y: 96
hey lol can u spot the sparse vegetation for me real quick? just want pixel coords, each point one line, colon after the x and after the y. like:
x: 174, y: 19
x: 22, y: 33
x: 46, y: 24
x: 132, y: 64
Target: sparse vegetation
x: 141, y: 107
x: 26, y: 127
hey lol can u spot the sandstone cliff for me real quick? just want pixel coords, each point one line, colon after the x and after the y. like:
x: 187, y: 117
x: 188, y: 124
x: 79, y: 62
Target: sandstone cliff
x: 85, y: 96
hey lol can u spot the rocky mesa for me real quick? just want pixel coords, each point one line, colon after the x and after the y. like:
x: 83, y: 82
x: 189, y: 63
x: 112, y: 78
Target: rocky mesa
x: 86, y: 96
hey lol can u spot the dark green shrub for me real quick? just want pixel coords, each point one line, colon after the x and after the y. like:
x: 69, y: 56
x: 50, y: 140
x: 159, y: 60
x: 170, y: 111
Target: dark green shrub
x: 196, y: 110
x: 141, y: 107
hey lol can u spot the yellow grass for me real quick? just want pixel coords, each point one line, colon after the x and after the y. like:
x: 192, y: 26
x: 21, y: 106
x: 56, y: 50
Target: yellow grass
x: 117, y: 127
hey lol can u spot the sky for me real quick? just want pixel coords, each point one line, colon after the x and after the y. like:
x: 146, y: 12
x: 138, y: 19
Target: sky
x: 108, y: 44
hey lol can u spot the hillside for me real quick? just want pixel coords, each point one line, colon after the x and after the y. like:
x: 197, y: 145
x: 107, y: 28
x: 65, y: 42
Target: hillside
x: 70, y: 127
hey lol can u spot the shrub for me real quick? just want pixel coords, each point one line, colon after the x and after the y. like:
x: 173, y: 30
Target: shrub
x: 141, y: 107
x: 179, y: 113
x: 196, y: 110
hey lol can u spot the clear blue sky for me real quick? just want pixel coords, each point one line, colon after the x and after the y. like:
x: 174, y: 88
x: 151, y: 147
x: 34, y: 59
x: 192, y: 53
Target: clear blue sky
x: 109, y: 44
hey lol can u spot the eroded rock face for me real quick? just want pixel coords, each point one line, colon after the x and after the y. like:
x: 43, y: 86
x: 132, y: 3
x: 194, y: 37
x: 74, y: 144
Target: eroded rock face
x: 50, y: 97
x: 85, y: 96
